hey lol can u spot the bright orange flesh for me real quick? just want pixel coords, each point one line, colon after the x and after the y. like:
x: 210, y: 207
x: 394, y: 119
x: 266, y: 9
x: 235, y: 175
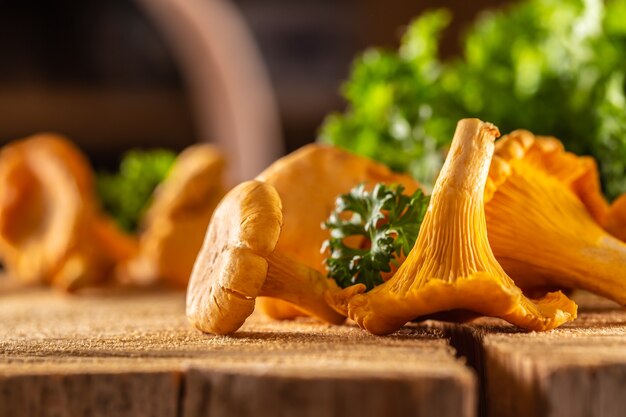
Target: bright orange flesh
x: 451, y: 265
x: 51, y: 229
x: 615, y: 222
x: 542, y: 231
x: 309, y: 181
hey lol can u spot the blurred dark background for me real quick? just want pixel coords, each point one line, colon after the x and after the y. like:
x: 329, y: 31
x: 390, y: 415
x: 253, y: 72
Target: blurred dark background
x: 101, y: 72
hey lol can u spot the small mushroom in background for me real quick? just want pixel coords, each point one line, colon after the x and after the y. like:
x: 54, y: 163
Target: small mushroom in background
x: 240, y: 260
x: 309, y: 181
x: 544, y: 218
x: 51, y: 228
x: 175, y: 223
x: 451, y: 265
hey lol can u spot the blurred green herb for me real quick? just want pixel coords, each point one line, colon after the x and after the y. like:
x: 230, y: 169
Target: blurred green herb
x: 126, y: 194
x: 386, y: 220
x: 553, y: 67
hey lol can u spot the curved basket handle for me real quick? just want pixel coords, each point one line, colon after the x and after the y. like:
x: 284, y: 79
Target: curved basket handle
x: 228, y: 84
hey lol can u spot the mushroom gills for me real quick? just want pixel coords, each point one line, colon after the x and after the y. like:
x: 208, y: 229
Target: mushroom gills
x: 239, y: 261
x: 543, y: 233
x: 451, y: 265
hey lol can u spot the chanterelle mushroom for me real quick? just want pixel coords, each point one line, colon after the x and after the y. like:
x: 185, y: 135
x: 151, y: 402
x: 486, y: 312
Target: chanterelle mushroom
x: 51, y: 229
x: 451, y: 265
x: 309, y: 181
x: 239, y: 261
x: 174, y: 225
x: 543, y: 219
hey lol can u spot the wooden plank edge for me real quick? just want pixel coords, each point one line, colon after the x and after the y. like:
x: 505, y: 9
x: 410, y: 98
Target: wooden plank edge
x: 217, y: 393
x: 204, y: 391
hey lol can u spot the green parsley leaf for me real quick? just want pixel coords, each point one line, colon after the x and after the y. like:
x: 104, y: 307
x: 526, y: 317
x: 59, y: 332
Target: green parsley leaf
x: 387, y: 222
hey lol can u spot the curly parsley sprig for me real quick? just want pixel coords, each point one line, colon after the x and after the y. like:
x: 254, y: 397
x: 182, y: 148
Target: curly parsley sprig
x: 387, y: 222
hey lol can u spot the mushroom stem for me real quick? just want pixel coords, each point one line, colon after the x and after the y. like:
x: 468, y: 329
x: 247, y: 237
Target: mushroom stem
x: 301, y: 286
x: 472, y: 147
x: 459, y: 218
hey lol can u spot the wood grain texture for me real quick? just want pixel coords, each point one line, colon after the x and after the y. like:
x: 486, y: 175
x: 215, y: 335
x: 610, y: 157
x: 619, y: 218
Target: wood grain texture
x: 578, y: 370
x: 135, y: 355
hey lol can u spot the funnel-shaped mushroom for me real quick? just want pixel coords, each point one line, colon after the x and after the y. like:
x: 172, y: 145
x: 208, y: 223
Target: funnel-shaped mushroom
x: 239, y: 261
x: 308, y: 182
x: 50, y: 227
x: 543, y: 229
x: 451, y: 265
x: 174, y: 226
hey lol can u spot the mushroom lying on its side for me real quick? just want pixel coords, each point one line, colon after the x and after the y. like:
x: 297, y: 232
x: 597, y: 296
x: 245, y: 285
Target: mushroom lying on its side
x: 309, y: 181
x: 451, y: 265
x: 51, y: 229
x: 544, y: 212
x: 239, y: 261
x: 174, y: 225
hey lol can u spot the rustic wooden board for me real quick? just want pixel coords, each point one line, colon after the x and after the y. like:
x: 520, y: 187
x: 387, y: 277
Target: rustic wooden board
x: 578, y: 370
x: 135, y: 355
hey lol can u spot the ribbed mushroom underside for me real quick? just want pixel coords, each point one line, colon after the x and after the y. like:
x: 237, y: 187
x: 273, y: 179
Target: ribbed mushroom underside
x: 456, y: 248
x: 451, y: 265
x: 454, y: 268
x: 543, y: 236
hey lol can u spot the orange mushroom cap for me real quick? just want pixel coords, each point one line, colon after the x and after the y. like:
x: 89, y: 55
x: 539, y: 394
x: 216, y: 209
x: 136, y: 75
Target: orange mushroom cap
x: 579, y: 173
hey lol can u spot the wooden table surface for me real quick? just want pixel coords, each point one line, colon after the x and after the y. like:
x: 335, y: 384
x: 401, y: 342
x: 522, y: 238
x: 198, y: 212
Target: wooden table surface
x: 122, y: 354
x: 577, y: 370
x: 135, y: 355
